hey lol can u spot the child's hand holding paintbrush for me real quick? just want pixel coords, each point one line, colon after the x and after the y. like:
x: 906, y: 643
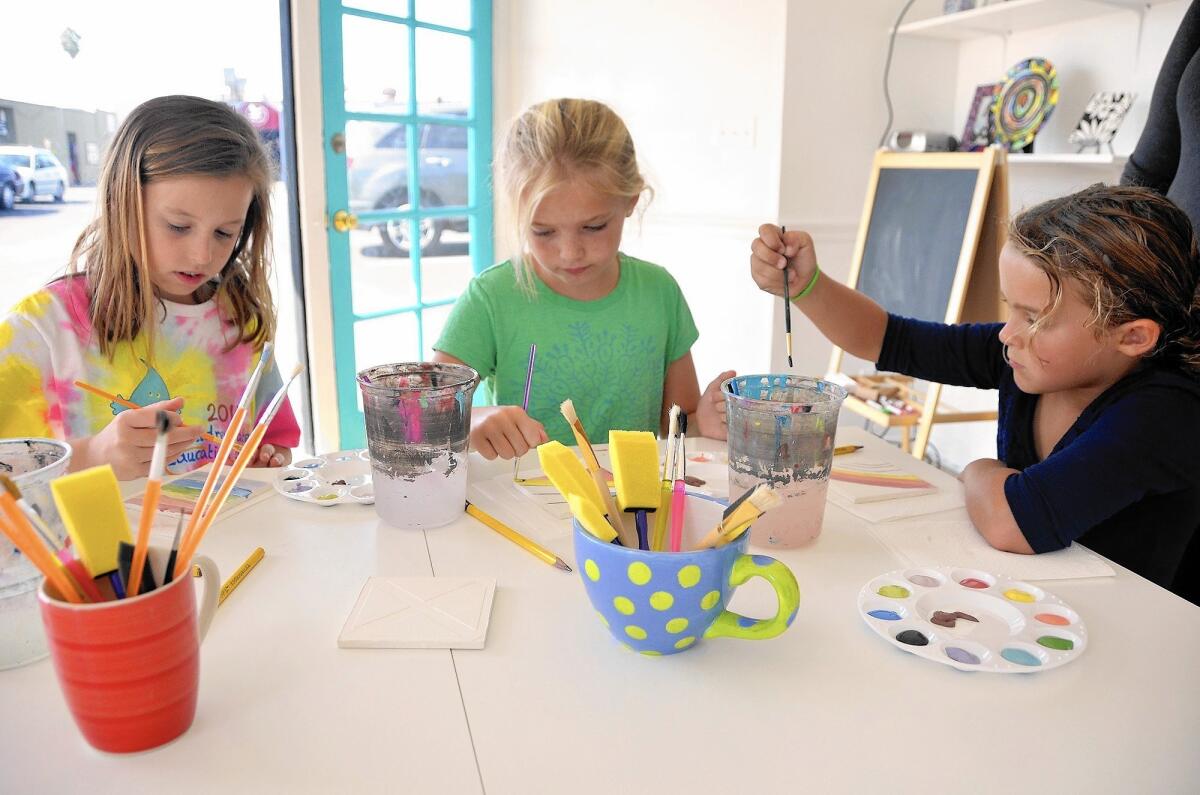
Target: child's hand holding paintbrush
x: 127, y: 443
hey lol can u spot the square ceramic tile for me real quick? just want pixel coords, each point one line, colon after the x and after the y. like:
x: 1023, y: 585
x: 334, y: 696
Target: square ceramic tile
x: 420, y: 613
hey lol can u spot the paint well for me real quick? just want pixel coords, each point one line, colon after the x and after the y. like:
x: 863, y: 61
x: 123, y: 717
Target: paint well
x: 884, y: 615
x: 894, y: 592
x: 972, y: 582
x: 924, y: 580
x: 1020, y: 657
x: 1053, y: 618
x: 1017, y: 595
x: 1056, y: 643
x: 913, y: 638
x: 961, y: 655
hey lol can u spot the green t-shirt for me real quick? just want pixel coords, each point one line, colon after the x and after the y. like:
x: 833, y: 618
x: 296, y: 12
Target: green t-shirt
x: 609, y: 356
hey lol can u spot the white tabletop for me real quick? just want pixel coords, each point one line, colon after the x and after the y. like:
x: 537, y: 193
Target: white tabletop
x: 553, y: 704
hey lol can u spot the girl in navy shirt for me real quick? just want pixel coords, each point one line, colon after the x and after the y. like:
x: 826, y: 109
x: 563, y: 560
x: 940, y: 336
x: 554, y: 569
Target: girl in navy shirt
x: 1097, y: 368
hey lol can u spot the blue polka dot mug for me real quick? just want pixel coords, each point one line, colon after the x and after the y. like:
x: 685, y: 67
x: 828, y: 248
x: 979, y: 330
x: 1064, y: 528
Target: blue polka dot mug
x: 664, y: 602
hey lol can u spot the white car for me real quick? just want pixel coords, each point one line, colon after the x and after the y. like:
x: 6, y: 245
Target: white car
x: 43, y: 174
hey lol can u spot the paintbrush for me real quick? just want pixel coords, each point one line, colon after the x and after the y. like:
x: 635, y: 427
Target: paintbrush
x: 62, y: 559
x: 658, y: 540
x: 753, y: 504
x: 250, y: 450
x: 24, y: 537
x: 592, y: 465
x: 169, y: 571
x: 149, y: 505
x: 223, y: 452
x: 525, y: 401
x: 678, y: 494
x: 787, y: 300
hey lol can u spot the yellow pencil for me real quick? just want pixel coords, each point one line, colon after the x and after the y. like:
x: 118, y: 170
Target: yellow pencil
x: 847, y: 448
x: 236, y: 578
x: 512, y: 535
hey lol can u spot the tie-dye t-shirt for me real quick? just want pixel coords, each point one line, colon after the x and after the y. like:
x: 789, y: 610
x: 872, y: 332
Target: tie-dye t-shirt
x: 47, y: 344
x: 609, y: 356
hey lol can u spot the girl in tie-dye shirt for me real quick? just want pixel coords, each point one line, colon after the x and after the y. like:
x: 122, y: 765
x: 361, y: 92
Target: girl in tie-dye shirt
x: 166, y: 304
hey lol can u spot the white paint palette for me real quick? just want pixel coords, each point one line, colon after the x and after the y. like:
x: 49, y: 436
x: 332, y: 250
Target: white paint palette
x: 330, y: 479
x: 972, y: 620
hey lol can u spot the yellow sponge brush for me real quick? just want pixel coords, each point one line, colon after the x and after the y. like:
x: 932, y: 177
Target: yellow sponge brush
x: 635, y: 470
x: 91, y: 508
x: 566, y: 473
x: 591, y: 518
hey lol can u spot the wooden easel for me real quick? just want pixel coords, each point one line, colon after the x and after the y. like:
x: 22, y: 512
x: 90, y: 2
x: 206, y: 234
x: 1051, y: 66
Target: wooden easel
x: 974, y: 295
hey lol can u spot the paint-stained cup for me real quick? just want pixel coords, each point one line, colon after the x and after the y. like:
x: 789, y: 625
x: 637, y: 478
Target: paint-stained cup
x: 781, y: 430
x: 418, y: 417
x: 129, y: 669
x: 664, y: 602
x: 32, y: 463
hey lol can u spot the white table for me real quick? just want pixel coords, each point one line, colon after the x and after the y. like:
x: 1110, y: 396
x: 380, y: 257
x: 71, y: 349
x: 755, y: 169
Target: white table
x: 552, y: 704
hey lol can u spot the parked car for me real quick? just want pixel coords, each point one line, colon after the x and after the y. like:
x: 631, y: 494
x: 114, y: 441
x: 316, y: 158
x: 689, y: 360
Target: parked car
x: 44, y: 175
x: 379, y: 181
x: 11, y: 186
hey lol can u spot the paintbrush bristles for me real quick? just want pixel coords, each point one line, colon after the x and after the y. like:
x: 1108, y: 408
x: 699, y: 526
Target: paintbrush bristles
x: 162, y: 421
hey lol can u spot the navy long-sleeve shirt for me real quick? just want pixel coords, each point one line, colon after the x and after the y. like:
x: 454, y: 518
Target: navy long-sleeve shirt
x: 1124, y: 479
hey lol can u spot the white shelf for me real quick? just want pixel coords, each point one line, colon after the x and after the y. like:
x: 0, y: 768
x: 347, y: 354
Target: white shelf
x: 1003, y: 18
x: 1067, y: 158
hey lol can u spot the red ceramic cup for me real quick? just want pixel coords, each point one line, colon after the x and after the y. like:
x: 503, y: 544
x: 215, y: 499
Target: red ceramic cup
x: 130, y: 668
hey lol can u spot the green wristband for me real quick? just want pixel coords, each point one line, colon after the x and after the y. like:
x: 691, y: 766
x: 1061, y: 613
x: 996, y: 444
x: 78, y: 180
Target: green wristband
x: 808, y: 288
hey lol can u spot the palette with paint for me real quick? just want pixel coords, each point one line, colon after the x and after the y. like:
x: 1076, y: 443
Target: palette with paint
x: 972, y: 620
x: 330, y: 479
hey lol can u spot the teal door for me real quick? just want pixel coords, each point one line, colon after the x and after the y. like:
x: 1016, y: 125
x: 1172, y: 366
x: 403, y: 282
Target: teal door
x: 407, y: 94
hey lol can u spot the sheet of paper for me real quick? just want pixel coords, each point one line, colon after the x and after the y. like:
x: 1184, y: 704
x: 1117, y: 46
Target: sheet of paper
x: 954, y: 541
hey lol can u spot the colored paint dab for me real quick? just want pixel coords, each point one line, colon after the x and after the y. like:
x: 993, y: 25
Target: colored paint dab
x: 972, y: 582
x: 328, y: 497
x: 1020, y: 657
x: 1018, y: 596
x: 885, y: 615
x: 1053, y: 618
x: 961, y: 655
x: 1056, y: 643
x: 943, y: 619
x: 893, y: 592
x: 912, y: 637
x: 924, y: 580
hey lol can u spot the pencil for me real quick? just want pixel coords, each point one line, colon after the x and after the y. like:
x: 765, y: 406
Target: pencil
x: 512, y: 535
x: 236, y: 578
x: 525, y: 399
x: 787, y: 302
x: 846, y: 448
x: 129, y: 404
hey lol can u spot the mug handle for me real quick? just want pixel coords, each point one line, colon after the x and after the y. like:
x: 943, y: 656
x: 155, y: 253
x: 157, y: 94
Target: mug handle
x: 787, y: 591
x: 211, y: 580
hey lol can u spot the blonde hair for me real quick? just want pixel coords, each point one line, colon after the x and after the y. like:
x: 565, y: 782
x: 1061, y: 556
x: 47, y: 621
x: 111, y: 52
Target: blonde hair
x: 175, y: 136
x: 1131, y: 252
x: 553, y: 142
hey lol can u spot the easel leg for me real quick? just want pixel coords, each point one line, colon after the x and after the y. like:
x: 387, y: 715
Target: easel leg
x: 906, y: 438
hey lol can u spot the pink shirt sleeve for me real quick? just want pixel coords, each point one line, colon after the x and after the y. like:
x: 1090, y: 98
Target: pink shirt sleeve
x: 283, y: 430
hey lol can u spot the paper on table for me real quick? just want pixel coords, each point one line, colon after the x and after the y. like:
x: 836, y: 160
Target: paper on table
x: 954, y: 541
x: 513, y: 505
x: 860, y: 478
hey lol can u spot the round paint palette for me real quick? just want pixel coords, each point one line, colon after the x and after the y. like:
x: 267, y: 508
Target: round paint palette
x: 331, y: 479
x: 972, y: 620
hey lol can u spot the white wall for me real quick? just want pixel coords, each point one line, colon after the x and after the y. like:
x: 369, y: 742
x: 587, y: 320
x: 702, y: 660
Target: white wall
x: 700, y: 86
x: 771, y: 111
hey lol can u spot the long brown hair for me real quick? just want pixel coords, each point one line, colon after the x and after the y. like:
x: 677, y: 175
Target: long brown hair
x: 553, y: 141
x: 175, y: 136
x: 1132, y: 252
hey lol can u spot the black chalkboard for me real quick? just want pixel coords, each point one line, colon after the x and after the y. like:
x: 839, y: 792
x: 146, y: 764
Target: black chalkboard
x: 915, y: 238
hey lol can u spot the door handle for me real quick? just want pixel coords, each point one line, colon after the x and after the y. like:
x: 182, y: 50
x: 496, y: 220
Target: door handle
x: 433, y: 160
x: 344, y: 221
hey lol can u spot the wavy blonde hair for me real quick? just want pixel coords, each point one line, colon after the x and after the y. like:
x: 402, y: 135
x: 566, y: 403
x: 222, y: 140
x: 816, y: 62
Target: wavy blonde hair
x: 175, y: 136
x: 553, y: 142
x: 1131, y: 252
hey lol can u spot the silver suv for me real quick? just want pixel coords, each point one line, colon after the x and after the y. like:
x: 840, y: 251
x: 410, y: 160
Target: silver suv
x: 378, y: 180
